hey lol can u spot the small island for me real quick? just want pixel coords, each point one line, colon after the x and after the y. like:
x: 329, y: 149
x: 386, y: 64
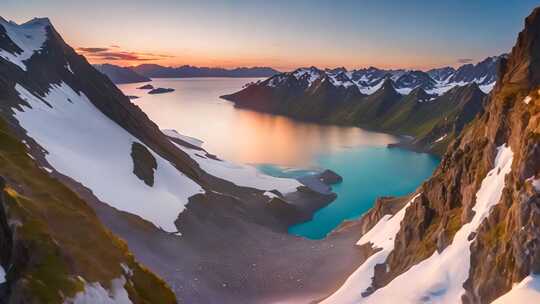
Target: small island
x: 161, y: 90
x: 146, y: 87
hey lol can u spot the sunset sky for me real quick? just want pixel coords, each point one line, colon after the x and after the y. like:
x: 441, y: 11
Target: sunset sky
x: 282, y: 34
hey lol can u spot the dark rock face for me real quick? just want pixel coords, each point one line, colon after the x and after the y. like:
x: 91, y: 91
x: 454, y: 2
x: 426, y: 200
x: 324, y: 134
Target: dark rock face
x: 146, y: 87
x: 120, y: 75
x: 330, y: 177
x: 485, y: 70
x: 415, y: 79
x: 441, y: 74
x: 144, y: 163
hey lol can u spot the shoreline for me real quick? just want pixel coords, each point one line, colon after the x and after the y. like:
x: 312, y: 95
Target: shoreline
x: 404, y: 142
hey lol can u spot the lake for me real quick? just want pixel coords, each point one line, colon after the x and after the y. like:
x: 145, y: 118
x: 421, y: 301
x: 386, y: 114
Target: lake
x: 280, y: 146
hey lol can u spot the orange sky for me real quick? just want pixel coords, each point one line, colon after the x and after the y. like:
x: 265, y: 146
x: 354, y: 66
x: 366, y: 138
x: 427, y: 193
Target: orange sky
x: 283, y: 34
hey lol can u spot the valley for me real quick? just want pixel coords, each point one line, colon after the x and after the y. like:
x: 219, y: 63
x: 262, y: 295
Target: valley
x: 334, y: 186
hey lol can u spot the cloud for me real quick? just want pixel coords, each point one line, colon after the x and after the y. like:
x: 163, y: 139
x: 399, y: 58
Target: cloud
x: 113, y: 54
x: 465, y: 60
x: 92, y: 49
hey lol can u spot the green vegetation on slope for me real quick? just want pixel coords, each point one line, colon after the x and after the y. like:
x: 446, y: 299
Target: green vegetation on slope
x: 57, y: 238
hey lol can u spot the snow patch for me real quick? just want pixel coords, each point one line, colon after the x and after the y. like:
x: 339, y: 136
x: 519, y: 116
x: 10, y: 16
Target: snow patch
x: 87, y: 146
x: 241, y: 175
x: 2, y: 275
x: 486, y: 88
x: 441, y: 138
x: 404, y: 91
x: 190, y: 140
x: 29, y: 37
x: 270, y: 195
x: 371, y: 89
x: 439, y: 278
x: 527, y: 291
x: 312, y: 74
x: 68, y: 67
x: 534, y: 182
x: 95, y: 293
x: 380, y: 236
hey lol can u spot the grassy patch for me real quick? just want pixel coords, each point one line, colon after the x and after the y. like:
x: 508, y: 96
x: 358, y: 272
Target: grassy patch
x: 59, y: 233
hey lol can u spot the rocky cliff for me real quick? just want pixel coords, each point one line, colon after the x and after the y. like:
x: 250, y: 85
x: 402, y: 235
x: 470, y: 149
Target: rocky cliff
x: 471, y: 232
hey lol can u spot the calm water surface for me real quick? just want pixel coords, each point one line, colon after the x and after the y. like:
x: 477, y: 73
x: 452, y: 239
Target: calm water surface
x: 282, y: 147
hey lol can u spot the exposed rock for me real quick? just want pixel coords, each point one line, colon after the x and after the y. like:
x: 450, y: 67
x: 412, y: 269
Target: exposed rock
x: 146, y: 87
x: 144, y: 163
x: 160, y: 90
x: 330, y: 177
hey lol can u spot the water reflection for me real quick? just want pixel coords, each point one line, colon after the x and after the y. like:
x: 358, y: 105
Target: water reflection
x: 194, y: 109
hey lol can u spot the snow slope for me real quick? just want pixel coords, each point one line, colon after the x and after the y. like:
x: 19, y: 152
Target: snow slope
x: 2, y: 275
x: 190, y: 140
x: 440, y: 278
x: 527, y: 291
x: 95, y: 293
x: 84, y: 144
x: 380, y: 236
x: 241, y: 175
x: 29, y: 37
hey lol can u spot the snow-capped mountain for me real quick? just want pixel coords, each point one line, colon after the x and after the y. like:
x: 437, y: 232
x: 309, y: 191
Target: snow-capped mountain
x: 435, y: 81
x: 441, y: 74
x: 119, y: 74
x: 370, y: 98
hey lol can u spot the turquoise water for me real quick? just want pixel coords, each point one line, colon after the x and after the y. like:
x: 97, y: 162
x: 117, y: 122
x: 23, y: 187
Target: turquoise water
x: 367, y: 173
x: 369, y: 169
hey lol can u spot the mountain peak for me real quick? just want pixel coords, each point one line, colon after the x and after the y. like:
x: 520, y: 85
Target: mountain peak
x: 523, y: 64
x: 38, y: 21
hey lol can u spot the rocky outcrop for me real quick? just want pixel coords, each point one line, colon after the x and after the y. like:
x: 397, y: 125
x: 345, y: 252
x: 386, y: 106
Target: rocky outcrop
x: 144, y: 163
x: 330, y: 177
x: 506, y: 246
x: 160, y: 91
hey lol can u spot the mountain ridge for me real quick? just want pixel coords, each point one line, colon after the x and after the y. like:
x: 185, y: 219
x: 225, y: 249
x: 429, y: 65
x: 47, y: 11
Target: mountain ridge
x: 120, y: 75
x: 378, y: 108
x: 159, y: 71
x: 176, y: 205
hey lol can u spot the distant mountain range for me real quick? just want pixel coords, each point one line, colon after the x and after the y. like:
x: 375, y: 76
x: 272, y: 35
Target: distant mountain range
x: 158, y: 71
x: 431, y: 106
x: 144, y: 72
x: 119, y: 75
